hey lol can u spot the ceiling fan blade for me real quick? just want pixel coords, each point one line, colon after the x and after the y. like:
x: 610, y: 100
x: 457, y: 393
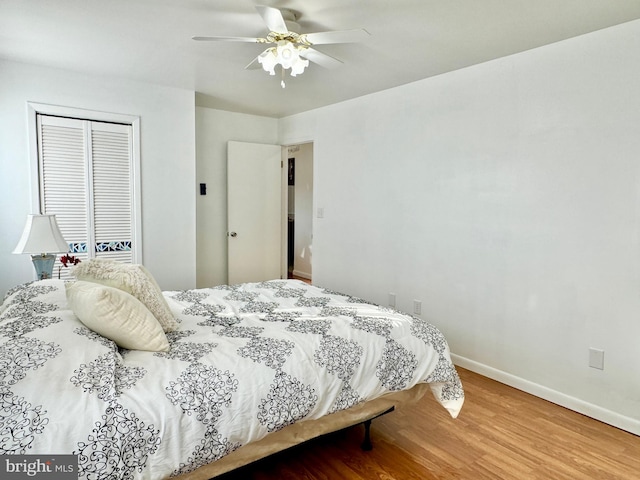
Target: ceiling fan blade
x: 338, y: 36
x: 273, y: 18
x: 253, y: 65
x: 322, y: 59
x: 231, y: 39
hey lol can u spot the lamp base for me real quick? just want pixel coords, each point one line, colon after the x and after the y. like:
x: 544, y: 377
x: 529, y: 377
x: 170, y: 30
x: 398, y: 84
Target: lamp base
x: 43, y: 265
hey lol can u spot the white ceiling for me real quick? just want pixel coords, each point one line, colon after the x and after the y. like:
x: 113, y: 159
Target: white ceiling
x: 150, y: 41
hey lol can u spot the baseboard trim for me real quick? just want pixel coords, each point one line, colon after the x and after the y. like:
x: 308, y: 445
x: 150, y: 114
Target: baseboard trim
x: 609, y: 417
x: 300, y: 274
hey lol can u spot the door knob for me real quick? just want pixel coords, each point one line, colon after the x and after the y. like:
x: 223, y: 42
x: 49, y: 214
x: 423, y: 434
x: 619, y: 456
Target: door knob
x: 233, y: 234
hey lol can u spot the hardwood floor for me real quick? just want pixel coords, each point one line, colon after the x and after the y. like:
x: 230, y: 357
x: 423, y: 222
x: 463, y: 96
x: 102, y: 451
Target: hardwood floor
x: 305, y: 280
x: 501, y: 433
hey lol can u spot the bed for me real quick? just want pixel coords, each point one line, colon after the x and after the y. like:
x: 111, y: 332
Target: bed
x: 246, y: 370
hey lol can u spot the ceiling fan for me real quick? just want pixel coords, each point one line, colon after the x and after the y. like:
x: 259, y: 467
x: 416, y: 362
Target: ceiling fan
x: 291, y: 50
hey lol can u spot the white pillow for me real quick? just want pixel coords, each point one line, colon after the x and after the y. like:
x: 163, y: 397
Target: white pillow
x: 133, y: 279
x: 116, y: 315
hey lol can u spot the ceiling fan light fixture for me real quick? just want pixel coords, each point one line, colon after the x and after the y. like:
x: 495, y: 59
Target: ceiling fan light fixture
x: 268, y: 59
x: 298, y: 66
x: 285, y: 54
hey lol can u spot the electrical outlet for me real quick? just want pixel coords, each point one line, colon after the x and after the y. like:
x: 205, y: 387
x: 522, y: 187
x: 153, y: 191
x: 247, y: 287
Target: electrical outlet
x: 417, y: 307
x: 392, y: 299
x: 596, y: 358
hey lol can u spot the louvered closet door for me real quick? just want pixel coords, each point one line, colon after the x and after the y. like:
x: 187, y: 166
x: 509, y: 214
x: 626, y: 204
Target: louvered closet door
x: 85, y: 180
x: 112, y: 192
x: 63, y: 181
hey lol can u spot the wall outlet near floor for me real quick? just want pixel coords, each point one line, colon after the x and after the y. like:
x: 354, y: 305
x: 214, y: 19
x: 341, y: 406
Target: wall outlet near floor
x: 417, y: 307
x: 392, y: 299
x: 596, y: 358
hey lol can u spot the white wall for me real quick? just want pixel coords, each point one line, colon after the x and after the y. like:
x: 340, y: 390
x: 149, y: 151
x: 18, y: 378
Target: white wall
x: 167, y: 130
x: 505, y: 196
x: 214, y: 129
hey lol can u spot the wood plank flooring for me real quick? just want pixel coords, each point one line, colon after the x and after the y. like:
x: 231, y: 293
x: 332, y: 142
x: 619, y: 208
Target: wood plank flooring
x: 501, y: 433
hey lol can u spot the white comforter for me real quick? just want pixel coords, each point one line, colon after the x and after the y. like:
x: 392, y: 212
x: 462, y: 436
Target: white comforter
x: 247, y: 360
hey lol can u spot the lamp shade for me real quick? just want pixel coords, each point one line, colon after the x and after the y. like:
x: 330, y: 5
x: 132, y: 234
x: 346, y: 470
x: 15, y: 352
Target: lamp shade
x: 268, y: 60
x: 41, y: 235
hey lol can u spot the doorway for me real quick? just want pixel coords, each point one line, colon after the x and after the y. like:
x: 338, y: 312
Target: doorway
x: 268, y: 220
x: 299, y: 165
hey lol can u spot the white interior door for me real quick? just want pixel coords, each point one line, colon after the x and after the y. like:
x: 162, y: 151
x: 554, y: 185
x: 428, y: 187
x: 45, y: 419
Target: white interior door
x: 254, y: 212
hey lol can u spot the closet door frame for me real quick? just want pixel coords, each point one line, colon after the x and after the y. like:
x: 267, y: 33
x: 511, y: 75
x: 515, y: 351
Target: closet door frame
x: 38, y: 108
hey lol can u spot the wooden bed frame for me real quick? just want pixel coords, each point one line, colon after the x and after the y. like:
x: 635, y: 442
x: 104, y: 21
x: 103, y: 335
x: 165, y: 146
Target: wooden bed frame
x: 298, y: 433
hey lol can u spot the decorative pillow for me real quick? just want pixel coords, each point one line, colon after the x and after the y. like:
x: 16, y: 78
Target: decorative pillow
x: 133, y: 279
x: 115, y: 314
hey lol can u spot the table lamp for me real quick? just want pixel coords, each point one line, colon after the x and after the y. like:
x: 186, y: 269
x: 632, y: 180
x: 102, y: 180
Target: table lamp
x: 42, y: 239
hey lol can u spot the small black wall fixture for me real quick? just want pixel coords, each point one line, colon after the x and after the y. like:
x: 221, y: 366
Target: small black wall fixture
x: 203, y: 189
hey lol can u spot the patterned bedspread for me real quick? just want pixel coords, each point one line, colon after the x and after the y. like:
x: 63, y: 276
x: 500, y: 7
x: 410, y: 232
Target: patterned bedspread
x: 247, y: 360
